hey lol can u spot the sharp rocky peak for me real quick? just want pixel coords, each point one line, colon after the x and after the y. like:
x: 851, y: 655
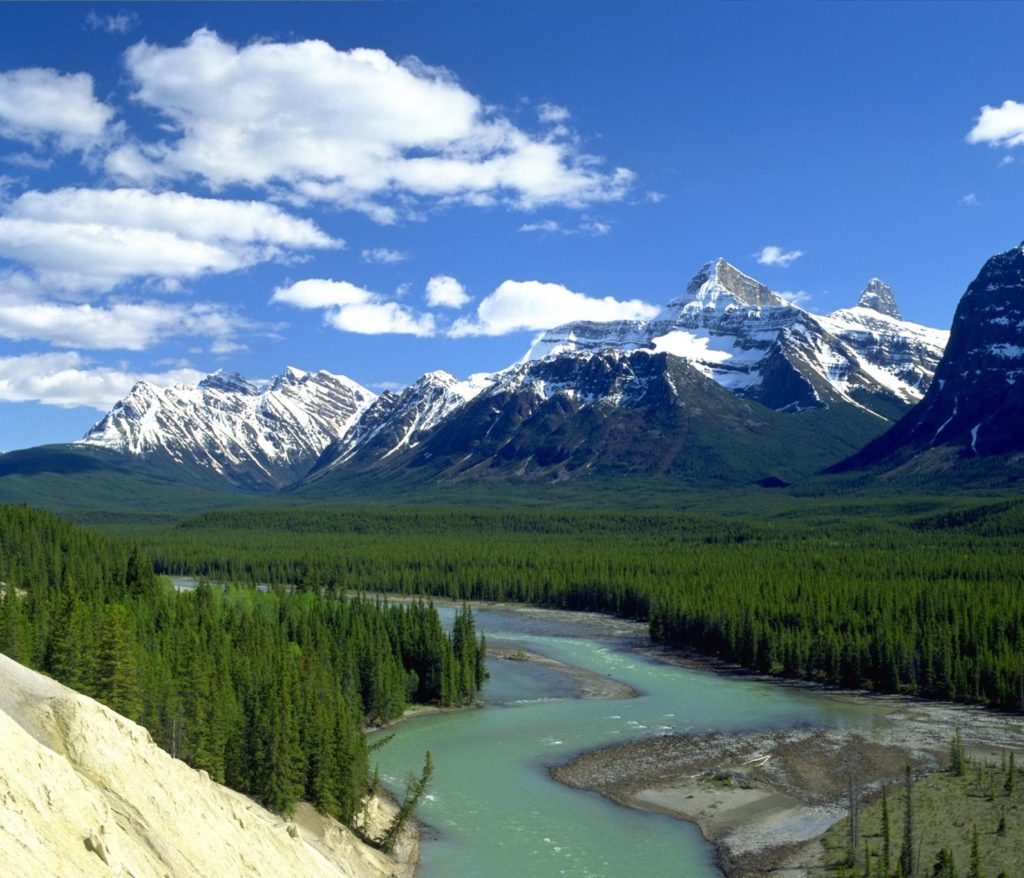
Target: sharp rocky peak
x: 232, y: 382
x: 708, y: 284
x: 878, y: 296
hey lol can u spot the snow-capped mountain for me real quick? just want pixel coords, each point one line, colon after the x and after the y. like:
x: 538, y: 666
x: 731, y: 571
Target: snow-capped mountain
x: 254, y: 434
x: 751, y: 341
x: 395, y: 421
x: 976, y: 402
x: 727, y: 328
x: 639, y: 395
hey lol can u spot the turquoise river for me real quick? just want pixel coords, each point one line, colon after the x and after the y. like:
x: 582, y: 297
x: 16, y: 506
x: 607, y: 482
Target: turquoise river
x: 492, y: 810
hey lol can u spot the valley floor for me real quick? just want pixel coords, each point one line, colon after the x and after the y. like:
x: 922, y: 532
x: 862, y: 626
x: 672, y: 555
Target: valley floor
x: 766, y: 800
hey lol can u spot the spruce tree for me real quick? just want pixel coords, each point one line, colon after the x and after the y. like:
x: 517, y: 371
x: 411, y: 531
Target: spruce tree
x: 907, y: 851
x: 886, y: 832
x: 956, y: 755
x: 975, y: 871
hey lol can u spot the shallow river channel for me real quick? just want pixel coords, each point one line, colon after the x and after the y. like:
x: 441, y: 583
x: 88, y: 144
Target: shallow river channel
x: 492, y: 810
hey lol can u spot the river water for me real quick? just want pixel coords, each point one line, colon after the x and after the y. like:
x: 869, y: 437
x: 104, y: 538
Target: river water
x: 492, y: 810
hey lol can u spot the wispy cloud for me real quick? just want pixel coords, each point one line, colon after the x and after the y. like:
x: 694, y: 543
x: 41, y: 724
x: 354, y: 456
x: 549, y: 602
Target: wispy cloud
x: 118, y: 23
x: 586, y: 226
x: 969, y: 200
x: 795, y: 297
x: 383, y: 256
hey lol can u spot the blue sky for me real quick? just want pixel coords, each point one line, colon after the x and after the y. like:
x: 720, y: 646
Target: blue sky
x: 384, y: 189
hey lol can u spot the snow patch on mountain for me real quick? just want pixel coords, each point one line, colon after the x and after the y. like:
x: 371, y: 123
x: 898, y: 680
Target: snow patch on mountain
x: 240, y: 429
x: 727, y: 325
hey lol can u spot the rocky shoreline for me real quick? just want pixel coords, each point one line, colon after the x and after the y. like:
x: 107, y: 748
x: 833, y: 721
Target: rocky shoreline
x: 765, y: 799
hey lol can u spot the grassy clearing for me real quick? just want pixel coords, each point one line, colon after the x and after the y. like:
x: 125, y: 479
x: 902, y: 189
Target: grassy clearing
x: 947, y: 811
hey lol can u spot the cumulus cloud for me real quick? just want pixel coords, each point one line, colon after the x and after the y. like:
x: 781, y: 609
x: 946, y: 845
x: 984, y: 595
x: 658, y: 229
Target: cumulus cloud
x: 969, y: 200
x: 355, y: 128
x: 91, y: 239
x: 533, y: 305
x: 446, y: 292
x: 131, y: 326
x: 69, y: 380
x: 37, y: 104
x: 350, y: 308
x: 383, y: 256
x: 773, y: 255
x: 999, y: 126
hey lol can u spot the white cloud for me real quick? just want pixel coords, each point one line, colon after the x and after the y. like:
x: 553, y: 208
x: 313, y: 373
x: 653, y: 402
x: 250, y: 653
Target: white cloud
x: 969, y: 200
x: 1006, y: 160
x: 773, y: 255
x: 352, y: 127
x: 549, y: 226
x: 533, y: 305
x: 383, y: 256
x: 131, y: 326
x: 587, y: 226
x: 91, y: 239
x: 37, y: 103
x: 27, y: 160
x: 446, y: 292
x: 552, y: 113
x: 655, y: 197
x: 795, y: 297
x: 999, y: 126
x: 120, y: 23
x: 353, y: 309
x: 68, y: 380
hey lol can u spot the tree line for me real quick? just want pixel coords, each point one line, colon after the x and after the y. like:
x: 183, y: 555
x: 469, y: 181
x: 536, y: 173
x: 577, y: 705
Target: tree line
x: 911, y: 603
x: 267, y: 692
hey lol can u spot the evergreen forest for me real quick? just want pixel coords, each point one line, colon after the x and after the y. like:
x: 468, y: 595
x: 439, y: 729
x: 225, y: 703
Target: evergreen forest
x: 269, y: 692
x: 917, y: 598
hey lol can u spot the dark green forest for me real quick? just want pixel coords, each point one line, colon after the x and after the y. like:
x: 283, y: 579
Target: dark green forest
x: 919, y: 598
x: 269, y: 692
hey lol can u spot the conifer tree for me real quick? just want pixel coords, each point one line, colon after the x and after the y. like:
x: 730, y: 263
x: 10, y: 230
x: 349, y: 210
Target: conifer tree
x: 118, y: 668
x: 907, y: 851
x: 886, y: 832
x: 956, y: 755
x: 975, y: 870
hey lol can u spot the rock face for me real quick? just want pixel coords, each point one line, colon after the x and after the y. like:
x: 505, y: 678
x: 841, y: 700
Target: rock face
x: 976, y: 401
x: 256, y: 435
x: 877, y: 296
x: 758, y: 345
x: 84, y: 791
x: 396, y: 421
x: 637, y: 413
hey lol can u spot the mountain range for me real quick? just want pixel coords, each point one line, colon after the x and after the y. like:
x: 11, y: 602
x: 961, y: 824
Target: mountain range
x: 729, y: 384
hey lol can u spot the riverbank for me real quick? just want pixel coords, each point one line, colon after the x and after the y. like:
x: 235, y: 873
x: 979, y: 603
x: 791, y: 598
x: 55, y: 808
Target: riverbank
x: 765, y: 800
x: 586, y: 683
